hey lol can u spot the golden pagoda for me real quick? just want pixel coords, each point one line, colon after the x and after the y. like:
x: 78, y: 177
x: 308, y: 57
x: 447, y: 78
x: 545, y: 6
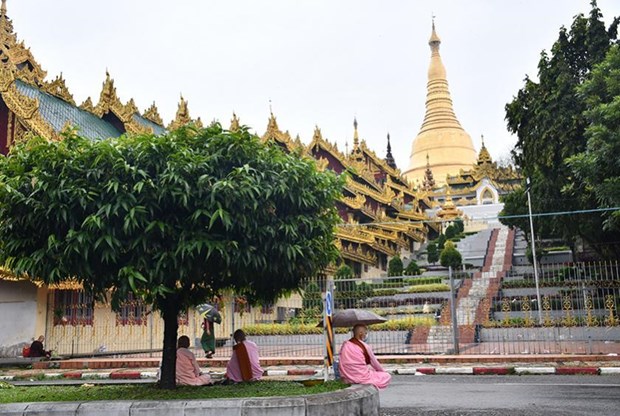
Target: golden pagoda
x: 441, y: 137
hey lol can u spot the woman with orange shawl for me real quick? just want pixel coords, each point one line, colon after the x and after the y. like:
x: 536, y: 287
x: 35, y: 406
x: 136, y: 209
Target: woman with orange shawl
x: 244, y: 365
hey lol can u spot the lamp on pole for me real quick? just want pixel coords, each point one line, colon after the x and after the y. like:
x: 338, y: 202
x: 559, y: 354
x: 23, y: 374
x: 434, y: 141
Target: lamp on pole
x: 529, y: 206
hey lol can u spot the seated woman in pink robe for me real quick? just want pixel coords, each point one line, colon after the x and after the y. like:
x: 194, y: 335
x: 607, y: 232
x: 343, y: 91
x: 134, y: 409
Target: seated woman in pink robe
x: 187, y: 371
x: 244, y: 365
x: 358, y: 364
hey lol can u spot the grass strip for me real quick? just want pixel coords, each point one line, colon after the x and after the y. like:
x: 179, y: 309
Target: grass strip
x: 89, y: 392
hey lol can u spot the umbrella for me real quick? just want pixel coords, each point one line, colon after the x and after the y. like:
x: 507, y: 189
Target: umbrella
x: 209, y: 313
x: 351, y: 317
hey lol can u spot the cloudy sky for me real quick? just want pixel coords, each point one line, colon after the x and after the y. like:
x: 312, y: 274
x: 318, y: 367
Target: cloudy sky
x: 318, y: 62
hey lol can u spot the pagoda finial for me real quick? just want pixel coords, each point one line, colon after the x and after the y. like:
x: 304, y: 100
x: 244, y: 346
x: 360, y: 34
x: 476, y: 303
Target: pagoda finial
x: 234, y: 123
x: 389, y: 159
x: 484, y: 156
x: 429, y: 181
x: 3, y: 8
x: 356, y: 140
x: 434, y: 41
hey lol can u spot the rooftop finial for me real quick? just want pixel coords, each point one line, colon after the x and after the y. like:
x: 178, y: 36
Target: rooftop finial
x: 389, y: 159
x: 356, y: 141
x: 482, y: 137
x: 270, y: 109
x: 3, y: 8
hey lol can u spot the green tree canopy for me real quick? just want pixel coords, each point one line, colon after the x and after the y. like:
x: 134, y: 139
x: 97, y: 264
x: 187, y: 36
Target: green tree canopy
x: 548, y: 117
x: 174, y: 219
x: 395, y: 266
x: 432, y: 254
x: 597, y: 169
x: 459, y: 225
x: 450, y: 256
x: 450, y: 232
x: 412, y: 268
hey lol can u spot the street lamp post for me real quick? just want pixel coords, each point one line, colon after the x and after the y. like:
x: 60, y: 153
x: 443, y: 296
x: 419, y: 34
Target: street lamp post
x: 529, y: 206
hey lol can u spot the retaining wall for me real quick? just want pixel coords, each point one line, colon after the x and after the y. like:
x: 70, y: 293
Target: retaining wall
x: 360, y: 400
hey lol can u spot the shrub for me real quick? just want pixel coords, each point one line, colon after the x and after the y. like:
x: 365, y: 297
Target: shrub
x: 424, y: 280
x: 435, y: 287
x: 412, y: 269
x: 450, y: 232
x: 395, y: 266
x: 441, y: 241
x: 450, y: 257
x: 432, y: 255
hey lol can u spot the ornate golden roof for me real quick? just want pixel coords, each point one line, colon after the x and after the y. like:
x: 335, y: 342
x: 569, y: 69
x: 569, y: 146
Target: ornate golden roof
x: 152, y: 114
x: 441, y: 136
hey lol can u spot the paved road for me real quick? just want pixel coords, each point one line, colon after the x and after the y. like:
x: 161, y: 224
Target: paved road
x: 501, y: 395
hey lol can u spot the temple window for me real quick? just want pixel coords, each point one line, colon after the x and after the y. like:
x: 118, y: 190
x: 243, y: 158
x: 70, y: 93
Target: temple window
x: 73, y: 307
x: 133, y: 312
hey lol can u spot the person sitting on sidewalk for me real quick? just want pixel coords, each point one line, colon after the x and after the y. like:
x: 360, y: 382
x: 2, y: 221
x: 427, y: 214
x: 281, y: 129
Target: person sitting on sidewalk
x: 37, y: 349
x: 244, y: 365
x: 187, y: 371
x: 358, y: 364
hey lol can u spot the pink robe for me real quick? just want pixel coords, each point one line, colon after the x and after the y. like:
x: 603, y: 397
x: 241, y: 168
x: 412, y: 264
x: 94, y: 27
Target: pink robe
x: 187, y: 370
x: 233, y: 370
x: 354, y: 370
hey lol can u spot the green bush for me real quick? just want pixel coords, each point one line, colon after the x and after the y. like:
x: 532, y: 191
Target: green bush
x: 432, y: 253
x: 424, y: 280
x: 450, y: 257
x: 441, y: 241
x: 450, y: 232
x: 412, y: 269
x: 436, y: 287
x: 395, y: 266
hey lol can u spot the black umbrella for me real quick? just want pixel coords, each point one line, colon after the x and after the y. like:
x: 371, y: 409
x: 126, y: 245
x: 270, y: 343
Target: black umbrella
x: 209, y: 312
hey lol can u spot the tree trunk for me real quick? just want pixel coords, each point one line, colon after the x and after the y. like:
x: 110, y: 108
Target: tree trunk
x: 170, y: 311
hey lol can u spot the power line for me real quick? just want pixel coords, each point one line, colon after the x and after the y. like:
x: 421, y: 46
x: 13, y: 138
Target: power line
x: 485, y: 218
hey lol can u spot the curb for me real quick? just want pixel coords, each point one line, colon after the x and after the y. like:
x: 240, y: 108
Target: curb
x: 478, y: 371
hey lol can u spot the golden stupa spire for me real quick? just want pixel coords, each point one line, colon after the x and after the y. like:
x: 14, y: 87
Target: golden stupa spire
x: 441, y: 135
x: 356, y: 139
x: 484, y: 156
x: 3, y: 8
x: 234, y: 123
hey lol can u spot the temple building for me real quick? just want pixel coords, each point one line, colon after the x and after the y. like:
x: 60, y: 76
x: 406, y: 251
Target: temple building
x: 383, y: 214
x: 442, y: 144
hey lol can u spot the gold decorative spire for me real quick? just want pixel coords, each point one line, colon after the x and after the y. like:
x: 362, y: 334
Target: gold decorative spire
x: 152, y: 114
x: 3, y: 8
x: 272, y: 125
x: 429, y: 180
x: 356, y: 140
x: 234, y: 123
x: 441, y: 135
x: 484, y: 156
x: 182, y: 116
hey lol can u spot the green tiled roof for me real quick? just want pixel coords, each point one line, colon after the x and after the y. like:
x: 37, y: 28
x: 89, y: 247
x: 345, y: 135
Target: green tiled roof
x: 57, y: 112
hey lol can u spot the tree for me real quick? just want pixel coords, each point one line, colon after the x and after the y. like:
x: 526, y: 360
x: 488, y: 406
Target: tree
x: 413, y: 269
x: 459, y: 226
x: 432, y: 254
x: 395, y: 266
x: 450, y: 256
x: 441, y: 240
x: 450, y: 232
x: 548, y: 118
x: 596, y: 170
x: 175, y: 219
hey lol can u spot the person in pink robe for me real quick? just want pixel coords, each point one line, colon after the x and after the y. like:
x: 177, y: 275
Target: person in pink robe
x: 358, y: 364
x: 244, y: 365
x: 187, y: 371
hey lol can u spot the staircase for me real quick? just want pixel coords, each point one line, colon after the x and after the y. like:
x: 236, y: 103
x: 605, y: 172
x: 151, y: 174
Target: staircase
x: 470, y: 309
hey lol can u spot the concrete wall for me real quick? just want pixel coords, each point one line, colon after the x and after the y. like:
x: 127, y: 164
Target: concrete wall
x: 355, y: 400
x: 19, y: 316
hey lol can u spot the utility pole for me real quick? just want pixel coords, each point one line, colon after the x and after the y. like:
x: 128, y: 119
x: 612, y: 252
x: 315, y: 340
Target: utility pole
x: 529, y: 206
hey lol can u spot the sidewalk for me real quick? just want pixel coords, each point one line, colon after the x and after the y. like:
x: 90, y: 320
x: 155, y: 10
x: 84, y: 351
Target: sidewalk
x: 304, y: 367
